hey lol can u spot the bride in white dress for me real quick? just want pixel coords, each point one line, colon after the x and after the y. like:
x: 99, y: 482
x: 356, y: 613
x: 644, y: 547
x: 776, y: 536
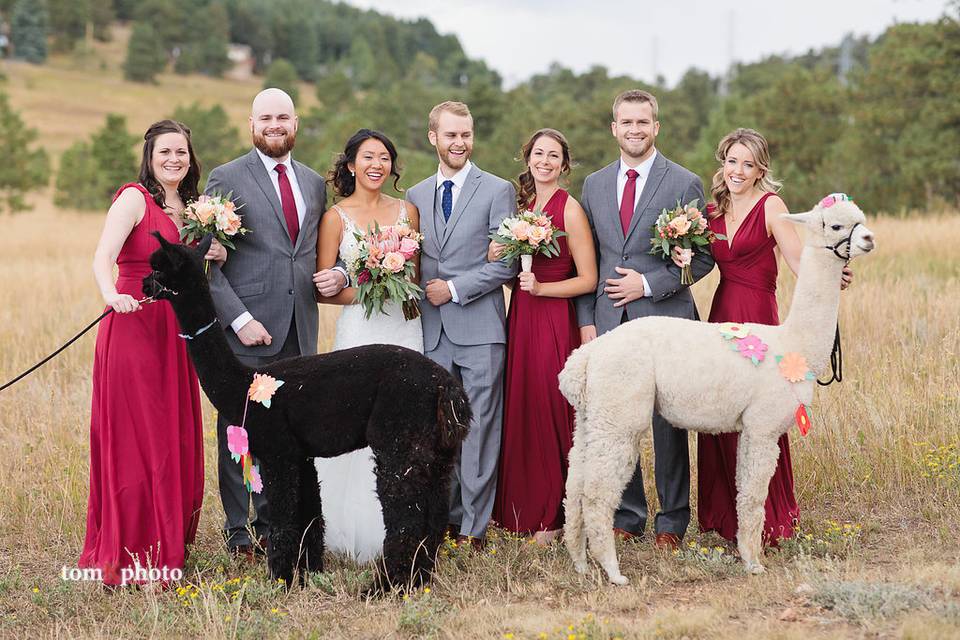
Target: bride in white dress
x: 352, y: 514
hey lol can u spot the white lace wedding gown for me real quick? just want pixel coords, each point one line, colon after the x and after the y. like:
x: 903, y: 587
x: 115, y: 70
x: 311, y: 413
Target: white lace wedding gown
x: 348, y: 488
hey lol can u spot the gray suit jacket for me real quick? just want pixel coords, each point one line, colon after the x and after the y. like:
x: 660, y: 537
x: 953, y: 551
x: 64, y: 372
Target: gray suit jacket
x: 267, y: 275
x: 667, y: 183
x: 457, y: 250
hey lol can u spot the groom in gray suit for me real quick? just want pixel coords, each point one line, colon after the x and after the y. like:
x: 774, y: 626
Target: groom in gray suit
x: 622, y: 202
x: 264, y: 293
x: 463, y: 315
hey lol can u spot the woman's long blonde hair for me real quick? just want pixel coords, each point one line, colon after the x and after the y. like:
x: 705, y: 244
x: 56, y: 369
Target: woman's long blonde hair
x: 757, y: 145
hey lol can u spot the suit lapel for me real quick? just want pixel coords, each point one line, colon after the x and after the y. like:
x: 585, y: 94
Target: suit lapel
x: 650, y: 186
x: 608, y: 186
x: 470, y: 186
x: 428, y: 224
x: 260, y: 176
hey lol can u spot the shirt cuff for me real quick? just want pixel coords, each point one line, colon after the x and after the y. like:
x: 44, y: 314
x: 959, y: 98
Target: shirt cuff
x: 453, y: 292
x: 646, y: 287
x: 346, y: 278
x: 241, y: 321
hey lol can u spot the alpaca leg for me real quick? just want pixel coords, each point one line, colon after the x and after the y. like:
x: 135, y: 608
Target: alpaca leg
x: 756, y: 462
x: 311, y: 520
x: 281, y: 485
x: 612, y: 450
x: 573, y: 534
x: 411, y: 499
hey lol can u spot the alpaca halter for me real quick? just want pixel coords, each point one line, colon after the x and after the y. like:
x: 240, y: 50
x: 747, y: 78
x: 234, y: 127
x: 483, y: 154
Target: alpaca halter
x: 845, y: 241
x: 187, y: 336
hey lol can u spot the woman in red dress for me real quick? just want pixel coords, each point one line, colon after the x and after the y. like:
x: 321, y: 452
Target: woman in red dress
x: 541, y: 332
x: 747, y: 211
x: 146, y: 448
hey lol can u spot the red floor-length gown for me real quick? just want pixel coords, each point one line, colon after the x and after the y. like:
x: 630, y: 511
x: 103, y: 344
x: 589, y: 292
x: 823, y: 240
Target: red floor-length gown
x: 746, y: 293
x: 537, y: 420
x: 146, y: 447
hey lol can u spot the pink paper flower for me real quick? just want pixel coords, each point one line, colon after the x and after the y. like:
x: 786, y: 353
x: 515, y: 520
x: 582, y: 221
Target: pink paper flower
x: 263, y: 388
x: 752, y: 348
x: 256, y: 482
x: 828, y: 202
x: 237, y: 440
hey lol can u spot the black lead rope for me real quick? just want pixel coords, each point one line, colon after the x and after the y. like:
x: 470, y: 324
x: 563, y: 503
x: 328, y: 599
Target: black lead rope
x: 58, y: 351
x: 836, y: 361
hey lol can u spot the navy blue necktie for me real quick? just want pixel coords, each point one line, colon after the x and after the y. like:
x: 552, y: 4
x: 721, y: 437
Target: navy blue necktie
x: 446, y: 200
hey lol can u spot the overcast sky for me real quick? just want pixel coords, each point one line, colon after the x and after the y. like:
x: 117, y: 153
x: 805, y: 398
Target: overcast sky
x: 639, y: 38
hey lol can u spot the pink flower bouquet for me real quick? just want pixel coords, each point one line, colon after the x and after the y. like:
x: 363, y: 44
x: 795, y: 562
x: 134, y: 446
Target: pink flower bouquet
x: 527, y: 234
x: 214, y: 214
x: 684, y: 226
x: 384, y: 269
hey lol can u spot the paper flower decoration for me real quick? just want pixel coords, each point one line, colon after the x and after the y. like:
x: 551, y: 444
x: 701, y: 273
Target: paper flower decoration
x: 752, y: 348
x: 793, y: 367
x: 256, y: 483
x: 833, y: 199
x: 263, y: 387
x: 803, y: 420
x: 237, y: 442
x: 730, y: 330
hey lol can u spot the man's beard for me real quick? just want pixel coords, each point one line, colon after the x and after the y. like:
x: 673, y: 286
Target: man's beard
x: 449, y: 159
x: 275, y: 147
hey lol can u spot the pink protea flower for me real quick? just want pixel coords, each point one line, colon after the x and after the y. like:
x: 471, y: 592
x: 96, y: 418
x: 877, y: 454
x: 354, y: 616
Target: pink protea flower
x: 752, y: 348
x: 237, y: 443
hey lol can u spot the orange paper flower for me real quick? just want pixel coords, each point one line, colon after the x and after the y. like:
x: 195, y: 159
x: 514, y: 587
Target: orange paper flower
x: 263, y: 387
x: 793, y: 367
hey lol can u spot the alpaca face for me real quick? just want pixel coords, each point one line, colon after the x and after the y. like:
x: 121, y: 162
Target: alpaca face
x: 837, y: 224
x: 176, y: 268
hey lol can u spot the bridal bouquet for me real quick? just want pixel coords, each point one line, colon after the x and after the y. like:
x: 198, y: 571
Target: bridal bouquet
x: 683, y: 226
x: 527, y: 234
x: 383, y: 269
x: 215, y: 215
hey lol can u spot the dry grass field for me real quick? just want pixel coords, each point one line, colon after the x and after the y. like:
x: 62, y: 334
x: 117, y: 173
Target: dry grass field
x: 878, y: 478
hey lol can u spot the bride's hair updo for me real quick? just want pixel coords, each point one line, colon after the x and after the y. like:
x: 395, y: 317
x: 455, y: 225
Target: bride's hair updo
x: 340, y: 178
x: 528, y: 188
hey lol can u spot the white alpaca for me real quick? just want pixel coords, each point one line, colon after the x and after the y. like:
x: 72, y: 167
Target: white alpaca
x: 689, y: 373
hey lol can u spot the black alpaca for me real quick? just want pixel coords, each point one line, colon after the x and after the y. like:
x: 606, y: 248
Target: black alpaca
x: 409, y: 410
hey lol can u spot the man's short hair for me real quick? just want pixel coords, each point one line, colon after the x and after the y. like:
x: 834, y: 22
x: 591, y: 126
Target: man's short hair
x: 635, y: 95
x: 451, y: 106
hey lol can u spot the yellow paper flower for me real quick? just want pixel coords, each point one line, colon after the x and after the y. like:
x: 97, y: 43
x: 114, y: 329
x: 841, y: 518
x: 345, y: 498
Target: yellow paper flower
x: 263, y: 388
x: 793, y: 367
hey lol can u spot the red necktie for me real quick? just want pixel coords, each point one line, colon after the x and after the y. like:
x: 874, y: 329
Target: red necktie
x: 627, y: 201
x: 288, y: 203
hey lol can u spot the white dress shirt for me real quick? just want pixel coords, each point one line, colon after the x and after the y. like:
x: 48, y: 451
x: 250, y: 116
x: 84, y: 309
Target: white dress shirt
x: 458, y: 179
x: 269, y: 164
x: 643, y: 170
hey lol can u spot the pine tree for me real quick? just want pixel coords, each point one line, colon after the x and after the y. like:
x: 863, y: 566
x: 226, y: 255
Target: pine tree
x: 68, y: 22
x: 112, y: 149
x: 29, y: 22
x: 146, y: 56
x: 77, y: 185
x: 102, y: 16
x: 23, y: 168
x: 206, y: 50
x: 282, y: 75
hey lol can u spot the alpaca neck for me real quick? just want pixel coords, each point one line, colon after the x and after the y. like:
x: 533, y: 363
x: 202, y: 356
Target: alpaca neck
x: 811, y: 325
x: 223, y: 377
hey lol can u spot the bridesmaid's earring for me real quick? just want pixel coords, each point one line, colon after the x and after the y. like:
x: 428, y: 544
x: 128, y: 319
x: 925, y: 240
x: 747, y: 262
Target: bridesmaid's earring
x: 353, y: 175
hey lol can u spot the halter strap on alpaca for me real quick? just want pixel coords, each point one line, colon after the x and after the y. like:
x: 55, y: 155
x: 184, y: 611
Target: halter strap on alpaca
x: 187, y: 336
x: 845, y: 241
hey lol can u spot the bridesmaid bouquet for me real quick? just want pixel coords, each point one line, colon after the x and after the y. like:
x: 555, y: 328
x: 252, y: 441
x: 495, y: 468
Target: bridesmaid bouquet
x: 216, y: 215
x: 525, y: 235
x: 383, y: 269
x: 684, y: 226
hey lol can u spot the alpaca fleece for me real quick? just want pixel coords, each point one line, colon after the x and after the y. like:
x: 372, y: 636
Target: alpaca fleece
x: 410, y: 411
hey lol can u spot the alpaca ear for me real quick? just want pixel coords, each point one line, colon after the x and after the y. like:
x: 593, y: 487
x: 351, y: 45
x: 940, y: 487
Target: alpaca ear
x: 806, y: 218
x: 204, y: 244
x: 163, y: 242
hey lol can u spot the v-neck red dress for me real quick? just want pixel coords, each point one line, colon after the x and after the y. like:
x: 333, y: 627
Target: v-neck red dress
x: 746, y: 293
x: 146, y: 437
